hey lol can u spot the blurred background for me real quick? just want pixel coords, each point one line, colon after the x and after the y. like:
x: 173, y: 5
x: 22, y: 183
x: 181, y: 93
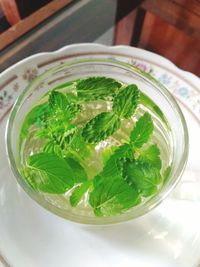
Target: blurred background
x: 170, y: 28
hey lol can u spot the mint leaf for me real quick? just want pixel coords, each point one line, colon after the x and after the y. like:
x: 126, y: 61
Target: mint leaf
x: 36, y: 115
x: 49, y: 173
x: 94, y: 88
x: 126, y: 101
x: 146, y: 101
x: 62, y: 106
x: 100, y: 127
x: 112, y: 196
x: 58, y: 101
x: 78, y: 193
x: 65, y: 85
x: 76, y: 146
x: 79, y: 173
x: 142, y: 130
x: 57, y: 122
x: 143, y: 176
x: 123, y: 151
x: 151, y: 155
x: 52, y: 147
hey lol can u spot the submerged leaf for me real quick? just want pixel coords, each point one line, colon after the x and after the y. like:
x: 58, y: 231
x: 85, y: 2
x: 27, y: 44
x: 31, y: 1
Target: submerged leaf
x: 49, y: 173
x: 79, y: 173
x: 151, y: 155
x: 112, y: 196
x: 143, y: 176
x: 78, y: 193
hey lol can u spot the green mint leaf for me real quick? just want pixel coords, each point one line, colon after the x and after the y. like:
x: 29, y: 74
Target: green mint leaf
x: 52, y: 147
x: 62, y: 106
x: 65, y: 85
x: 151, y: 155
x: 101, y: 127
x: 112, y: 196
x: 78, y: 193
x: 107, y: 152
x: 49, y: 173
x: 142, y: 130
x: 94, y: 88
x: 58, y: 100
x: 143, y: 176
x: 123, y: 151
x: 146, y: 101
x: 36, y: 115
x: 76, y: 146
x: 126, y: 101
x: 79, y: 173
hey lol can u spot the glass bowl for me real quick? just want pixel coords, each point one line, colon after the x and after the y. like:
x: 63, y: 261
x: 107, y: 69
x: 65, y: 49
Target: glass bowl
x: 100, y: 65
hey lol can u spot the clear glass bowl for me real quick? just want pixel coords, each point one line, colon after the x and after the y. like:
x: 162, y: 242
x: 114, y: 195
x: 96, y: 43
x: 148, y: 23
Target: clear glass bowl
x: 101, y: 65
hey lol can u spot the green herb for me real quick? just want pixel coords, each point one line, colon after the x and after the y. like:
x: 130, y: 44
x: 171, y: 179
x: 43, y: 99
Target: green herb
x: 145, y: 100
x: 52, y: 147
x: 37, y: 114
x: 101, y: 127
x: 143, y: 176
x: 130, y: 170
x: 151, y: 155
x: 65, y: 85
x: 49, y: 173
x: 126, y: 101
x: 77, y: 146
x: 142, y: 130
x: 61, y: 105
x: 94, y: 88
x: 112, y: 196
x: 78, y: 193
x: 79, y: 173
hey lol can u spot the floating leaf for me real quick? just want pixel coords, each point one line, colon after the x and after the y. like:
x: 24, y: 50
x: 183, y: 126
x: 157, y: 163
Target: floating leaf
x: 151, y: 155
x: 101, y: 127
x: 126, y: 101
x: 94, y: 88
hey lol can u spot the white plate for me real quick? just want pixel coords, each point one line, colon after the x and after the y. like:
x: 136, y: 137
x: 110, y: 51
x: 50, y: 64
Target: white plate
x: 168, y: 236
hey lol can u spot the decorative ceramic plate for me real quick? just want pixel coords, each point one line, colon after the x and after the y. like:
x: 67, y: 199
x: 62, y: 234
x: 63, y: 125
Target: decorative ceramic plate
x: 168, y: 236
